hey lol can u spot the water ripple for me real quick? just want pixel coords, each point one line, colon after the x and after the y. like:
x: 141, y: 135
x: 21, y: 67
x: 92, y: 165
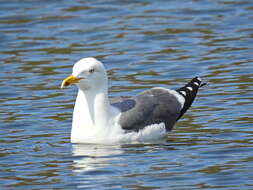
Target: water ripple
x: 143, y: 44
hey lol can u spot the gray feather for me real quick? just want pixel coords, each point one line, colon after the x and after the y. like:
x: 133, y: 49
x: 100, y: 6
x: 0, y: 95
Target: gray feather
x: 152, y: 106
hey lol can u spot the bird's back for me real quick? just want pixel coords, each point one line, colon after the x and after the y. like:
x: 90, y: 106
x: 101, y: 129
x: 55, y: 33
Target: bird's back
x: 157, y: 105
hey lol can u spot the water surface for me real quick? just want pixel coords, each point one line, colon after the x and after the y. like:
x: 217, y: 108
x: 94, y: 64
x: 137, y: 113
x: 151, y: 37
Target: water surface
x: 143, y: 44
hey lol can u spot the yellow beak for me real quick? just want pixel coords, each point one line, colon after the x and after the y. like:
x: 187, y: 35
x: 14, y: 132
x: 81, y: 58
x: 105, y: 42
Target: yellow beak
x: 69, y: 80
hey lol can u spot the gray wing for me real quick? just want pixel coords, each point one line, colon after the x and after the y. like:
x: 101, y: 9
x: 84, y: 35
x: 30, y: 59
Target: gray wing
x: 150, y: 107
x: 157, y: 105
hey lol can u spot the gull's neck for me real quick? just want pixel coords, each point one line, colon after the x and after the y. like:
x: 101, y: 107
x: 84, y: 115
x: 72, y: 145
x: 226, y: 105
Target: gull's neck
x: 92, y: 113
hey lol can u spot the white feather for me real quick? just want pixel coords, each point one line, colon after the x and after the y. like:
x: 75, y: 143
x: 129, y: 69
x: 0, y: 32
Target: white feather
x: 197, y: 84
x: 94, y: 119
x: 183, y: 92
x: 189, y: 88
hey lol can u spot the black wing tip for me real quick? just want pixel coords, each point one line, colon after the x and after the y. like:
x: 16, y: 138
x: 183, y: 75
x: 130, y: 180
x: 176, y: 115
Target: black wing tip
x: 189, y: 92
x: 191, y: 88
x: 199, y: 81
x: 203, y: 84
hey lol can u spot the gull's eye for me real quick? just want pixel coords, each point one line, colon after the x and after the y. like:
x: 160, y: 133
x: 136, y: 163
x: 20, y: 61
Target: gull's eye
x: 91, y: 70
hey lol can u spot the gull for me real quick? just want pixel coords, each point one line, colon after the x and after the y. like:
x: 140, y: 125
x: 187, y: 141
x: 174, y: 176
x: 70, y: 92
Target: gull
x: 148, y: 115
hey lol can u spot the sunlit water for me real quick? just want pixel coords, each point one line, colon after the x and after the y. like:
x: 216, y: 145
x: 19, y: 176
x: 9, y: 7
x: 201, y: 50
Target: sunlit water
x: 143, y: 44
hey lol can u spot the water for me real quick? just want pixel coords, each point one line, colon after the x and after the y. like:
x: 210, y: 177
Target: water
x: 143, y: 44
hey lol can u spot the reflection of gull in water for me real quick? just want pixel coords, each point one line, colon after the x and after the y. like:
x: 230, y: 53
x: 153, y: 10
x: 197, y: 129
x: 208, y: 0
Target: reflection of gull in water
x: 90, y: 157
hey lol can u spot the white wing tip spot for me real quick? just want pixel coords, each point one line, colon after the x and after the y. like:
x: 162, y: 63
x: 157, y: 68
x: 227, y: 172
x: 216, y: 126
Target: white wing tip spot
x: 199, y: 79
x: 197, y: 84
x: 183, y: 92
x: 189, y: 88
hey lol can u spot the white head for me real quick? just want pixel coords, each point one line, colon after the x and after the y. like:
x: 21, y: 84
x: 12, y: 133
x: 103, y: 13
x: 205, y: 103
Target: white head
x: 88, y: 74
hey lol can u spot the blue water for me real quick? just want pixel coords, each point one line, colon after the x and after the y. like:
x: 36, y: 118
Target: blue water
x: 142, y: 44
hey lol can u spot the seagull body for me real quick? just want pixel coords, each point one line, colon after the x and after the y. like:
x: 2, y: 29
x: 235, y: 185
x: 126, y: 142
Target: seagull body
x: 149, y: 114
